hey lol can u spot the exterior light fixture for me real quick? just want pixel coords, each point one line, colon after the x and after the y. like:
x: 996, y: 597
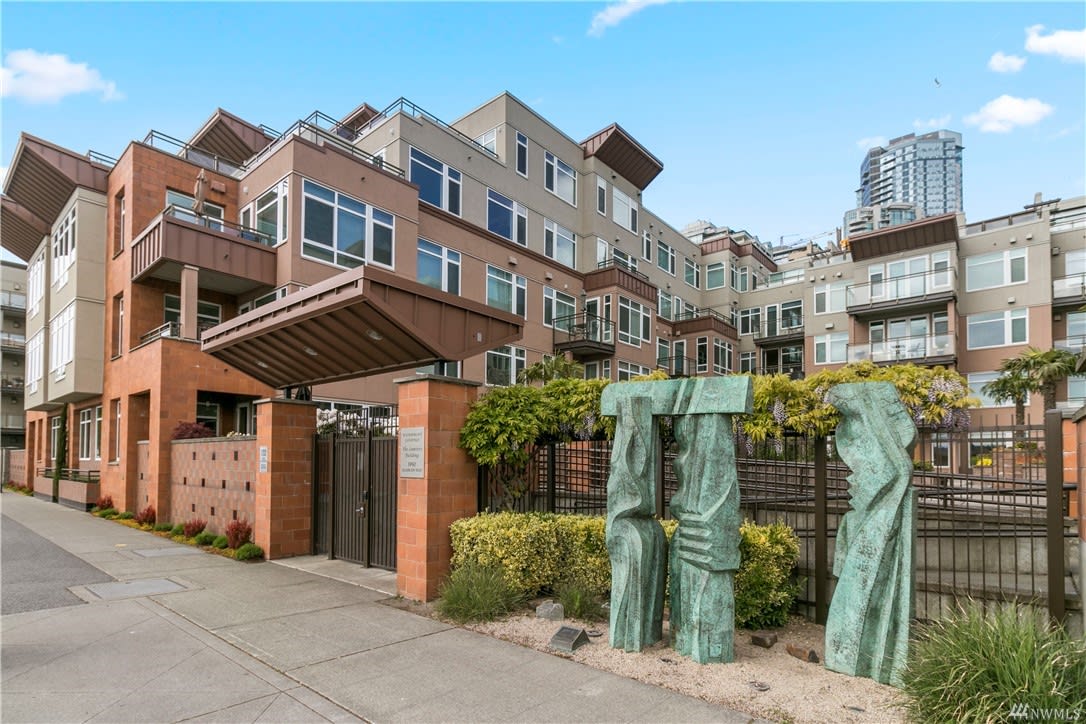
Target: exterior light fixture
x: 374, y: 335
x: 262, y: 364
x: 310, y: 351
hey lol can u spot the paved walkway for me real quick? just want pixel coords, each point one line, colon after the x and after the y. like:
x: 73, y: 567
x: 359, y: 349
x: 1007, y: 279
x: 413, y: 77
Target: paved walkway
x: 182, y: 635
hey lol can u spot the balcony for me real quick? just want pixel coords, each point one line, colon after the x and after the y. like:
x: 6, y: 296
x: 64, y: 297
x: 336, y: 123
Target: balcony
x: 788, y: 328
x: 1075, y: 343
x: 703, y: 320
x: 232, y: 259
x: 612, y: 272
x: 13, y: 422
x: 913, y: 292
x: 678, y: 366
x: 585, y: 336
x: 13, y: 301
x: 1069, y: 290
x: 172, y: 330
x: 12, y: 385
x: 12, y: 341
x: 938, y: 349
x: 794, y: 371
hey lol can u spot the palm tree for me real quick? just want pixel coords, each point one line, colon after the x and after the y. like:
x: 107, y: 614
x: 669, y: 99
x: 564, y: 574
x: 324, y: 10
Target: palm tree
x: 550, y: 368
x: 1033, y: 370
x: 1010, y: 387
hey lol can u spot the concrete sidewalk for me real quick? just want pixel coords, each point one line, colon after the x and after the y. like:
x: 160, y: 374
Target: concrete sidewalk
x: 194, y: 636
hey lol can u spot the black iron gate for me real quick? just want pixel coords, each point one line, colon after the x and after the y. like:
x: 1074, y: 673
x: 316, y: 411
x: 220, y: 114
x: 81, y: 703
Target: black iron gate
x: 354, y: 506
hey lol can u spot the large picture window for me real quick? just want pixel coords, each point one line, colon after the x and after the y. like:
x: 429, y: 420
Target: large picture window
x: 634, y: 322
x: 343, y: 231
x: 997, y: 269
x: 439, y: 184
x: 830, y: 298
x: 505, y: 290
x: 503, y: 365
x: 831, y: 348
x: 270, y: 213
x: 665, y: 257
x: 714, y: 275
x: 997, y: 329
x: 558, y: 308
x: 438, y: 267
x: 559, y: 178
x: 208, y: 314
x: 506, y: 217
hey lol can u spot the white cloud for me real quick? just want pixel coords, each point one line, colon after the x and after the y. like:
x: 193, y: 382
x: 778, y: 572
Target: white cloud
x: 932, y: 123
x: 1006, y: 112
x: 615, y: 13
x: 1067, y: 44
x: 866, y: 144
x: 47, y: 77
x: 1001, y: 63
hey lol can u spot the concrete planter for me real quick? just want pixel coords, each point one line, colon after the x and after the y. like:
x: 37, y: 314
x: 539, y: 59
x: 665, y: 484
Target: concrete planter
x: 74, y: 494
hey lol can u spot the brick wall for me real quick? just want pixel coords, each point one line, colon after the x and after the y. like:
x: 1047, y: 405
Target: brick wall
x: 283, y: 516
x: 213, y: 479
x: 16, y: 466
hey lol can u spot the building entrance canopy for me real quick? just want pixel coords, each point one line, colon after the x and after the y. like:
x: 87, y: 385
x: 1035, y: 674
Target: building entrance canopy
x: 361, y: 322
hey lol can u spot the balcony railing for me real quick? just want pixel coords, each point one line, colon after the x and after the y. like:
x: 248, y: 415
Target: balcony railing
x: 904, y: 349
x: 172, y: 330
x: 678, y: 366
x: 584, y: 335
x: 220, y: 225
x: 12, y: 384
x: 795, y: 371
x: 13, y: 300
x: 1072, y: 287
x: 73, y: 474
x: 13, y: 422
x: 691, y: 321
x: 10, y: 339
x: 612, y: 261
x: 790, y: 325
x: 912, y: 287
x: 1074, y: 343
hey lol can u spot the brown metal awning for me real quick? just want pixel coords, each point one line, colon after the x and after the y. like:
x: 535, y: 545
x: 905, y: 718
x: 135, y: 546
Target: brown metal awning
x: 624, y: 155
x: 230, y: 137
x: 21, y: 231
x: 361, y: 322
x: 931, y: 231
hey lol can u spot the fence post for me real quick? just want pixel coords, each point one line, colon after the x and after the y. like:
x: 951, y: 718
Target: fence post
x: 332, y: 495
x: 822, y: 603
x: 551, y: 464
x: 1054, y: 514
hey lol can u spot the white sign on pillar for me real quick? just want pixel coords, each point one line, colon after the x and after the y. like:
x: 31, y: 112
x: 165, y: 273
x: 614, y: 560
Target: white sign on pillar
x: 412, y: 452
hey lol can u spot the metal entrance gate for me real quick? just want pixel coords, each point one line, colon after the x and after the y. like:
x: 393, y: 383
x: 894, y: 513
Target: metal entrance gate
x: 355, y: 474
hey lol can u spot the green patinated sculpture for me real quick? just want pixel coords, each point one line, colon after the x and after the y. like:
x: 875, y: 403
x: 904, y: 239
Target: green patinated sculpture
x: 867, y: 631
x: 705, y: 547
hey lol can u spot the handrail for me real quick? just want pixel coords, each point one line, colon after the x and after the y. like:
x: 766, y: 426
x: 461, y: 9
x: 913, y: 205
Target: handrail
x: 14, y: 300
x: 784, y: 325
x: 216, y: 224
x: 172, y: 330
x: 904, y: 348
x: 909, y: 286
x: 72, y: 474
x: 583, y: 327
x: 300, y: 128
x: 613, y: 261
x: 678, y: 366
x: 402, y: 105
x: 101, y: 158
x: 210, y: 161
x: 11, y: 339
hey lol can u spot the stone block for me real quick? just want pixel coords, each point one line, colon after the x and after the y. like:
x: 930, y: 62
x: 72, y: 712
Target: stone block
x: 551, y: 611
x: 765, y: 639
x: 804, y: 654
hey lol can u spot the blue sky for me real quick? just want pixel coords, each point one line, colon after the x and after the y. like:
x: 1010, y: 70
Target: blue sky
x: 761, y: 112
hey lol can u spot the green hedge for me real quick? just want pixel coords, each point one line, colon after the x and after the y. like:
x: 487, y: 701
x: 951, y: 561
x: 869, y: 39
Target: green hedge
x: 539, y: 550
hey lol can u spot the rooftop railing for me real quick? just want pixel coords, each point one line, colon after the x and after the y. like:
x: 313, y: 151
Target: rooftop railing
x: 321, y: 128
x: 402, y: 105
x: 101, y: 159
x: 198, y: 156
x: 908, y: 287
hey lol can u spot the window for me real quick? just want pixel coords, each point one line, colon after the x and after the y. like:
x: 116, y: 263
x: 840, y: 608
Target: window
x: 522, y: 154
x: 702, y: 347
x: 692, y: 273
x: 503, y: 365
x: 90, y: 433
x: 740, y: 278
x: 271, y: 213
x: 722, y: 356
x: 628, y: 370
x: 444, y: 368
x: 665, y: 257
x: 748, y: 362
x: 54, y: 435
x: 506, y: 218
x: 438, y: 267
x: 646, y: 246
x: 118, y: 325
x: 439, y: 184
x: 559, y: 178
x: 663, y: 352
x: 559, y: 243
x: 207, y: 414
x: 505, y: 290
x: 977, y: 381
x: 208, y: 314
x: 263, y: 299
x: 831, y: 348
x: 750, y: 320
x: 489, y: 141
x: 598, y: 370
x: 35, y: 282
x: 63, y: 248
x: 558, y: 308
x: 634, y: 322
x: 714, y: 275
x: 997, y: 269
x: 624, y: 210
x: 623, y: 259
x: 115, y: 417
x: 996, y: 329
x: 1074, y: 263
x: 34, y: 361
x: 1076, y: 390
x: 211, y: 215
x: 118, y: 222
x: 343, y: 231
x: 601, y: 196
x: 663, y: 304
x: 830, y: 298
x: 61, y: 341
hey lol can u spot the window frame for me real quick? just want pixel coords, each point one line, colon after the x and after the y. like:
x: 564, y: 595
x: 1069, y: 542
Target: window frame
x: 638, y: 319
x: 451, y: 180
x: 716, y: 267
x: 518, y: 217
x: 448, y: 259
x: 552, y: 301
x: 553, y: 235
x: 552, y: 168
x: 691, y: 269
x: 629, y: 217
x: 1005, y: 259
x: 826, y: 342
x: 518, y: 290
x: 369, y: 215
x: 665, y: 254
x: 1009, y: 316
x: 517, y: 362
x: 522, y: 154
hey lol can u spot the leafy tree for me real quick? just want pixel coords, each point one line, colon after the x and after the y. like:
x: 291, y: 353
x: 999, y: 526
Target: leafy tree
x: 571, y: 410
x: 556, y: 367
x: 499, y: 427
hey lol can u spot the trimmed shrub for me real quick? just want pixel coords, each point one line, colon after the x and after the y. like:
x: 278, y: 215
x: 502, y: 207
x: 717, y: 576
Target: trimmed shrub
x: 238, y: 533
x: 979, y: 665
x: 247, y: 551
x: 126, y: 515
x: 105, y: 501
x: 538, y: 551
x: 193, y: 527
x: 146, y: 516
x: 178, y: 529
x: 163, y: 527
x: 204, y: 538
x: 220, y: 542
x: 477, y: 592
x: 109, y: 513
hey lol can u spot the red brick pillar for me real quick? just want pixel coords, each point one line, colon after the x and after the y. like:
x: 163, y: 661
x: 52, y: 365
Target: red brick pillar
x: 284, y: 479
x: 437, y: 482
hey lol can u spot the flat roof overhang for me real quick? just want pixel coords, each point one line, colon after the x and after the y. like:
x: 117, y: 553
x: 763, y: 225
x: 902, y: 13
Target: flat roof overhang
x: 930, y: 231
x: 362, y: 322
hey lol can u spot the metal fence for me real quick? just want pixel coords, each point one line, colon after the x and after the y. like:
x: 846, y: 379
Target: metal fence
x: 992, y: 508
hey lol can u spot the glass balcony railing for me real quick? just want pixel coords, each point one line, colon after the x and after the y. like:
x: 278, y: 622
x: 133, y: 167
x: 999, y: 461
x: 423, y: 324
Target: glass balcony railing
x: 1074, y: 343
x: 12, y: 422
x: 912, y: 287
x: 1069, y: 287
x: 12, y: 384
x: 10, y: 339
x: 904, y: 349
x: 13, y: 300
